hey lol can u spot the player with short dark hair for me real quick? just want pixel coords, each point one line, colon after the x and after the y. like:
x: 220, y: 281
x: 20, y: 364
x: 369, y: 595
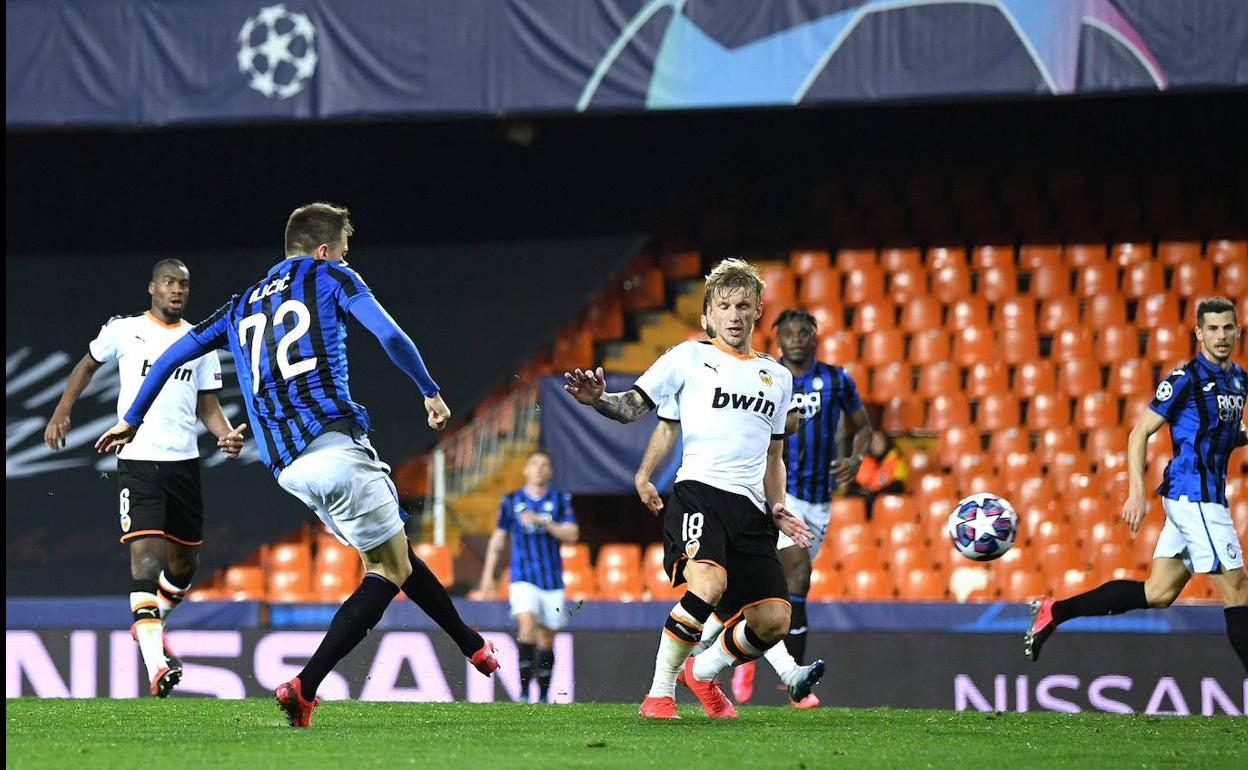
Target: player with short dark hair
x: 1203, y: 402
x: 287, y: 332
x: 720, y: 526
x: 161, y: 506
x: 537, y: 518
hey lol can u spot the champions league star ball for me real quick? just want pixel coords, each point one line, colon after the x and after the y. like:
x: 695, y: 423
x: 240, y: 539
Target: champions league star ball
x: 982, y: 527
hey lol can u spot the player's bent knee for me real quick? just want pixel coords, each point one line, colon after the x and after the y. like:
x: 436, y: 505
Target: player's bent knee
x: 707, y: 581
x: 770, y: 621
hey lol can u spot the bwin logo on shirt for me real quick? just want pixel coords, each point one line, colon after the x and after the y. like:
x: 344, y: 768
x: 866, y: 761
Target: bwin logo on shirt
x: 760, y: 403
x: 1230, y: 408
x: 182, y: 374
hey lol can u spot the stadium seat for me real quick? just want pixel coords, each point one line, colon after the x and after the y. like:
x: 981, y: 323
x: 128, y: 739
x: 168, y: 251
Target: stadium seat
x: 973, y: 344
x: 1049, y: 281
x: 1033, y: 255
x: 1081, y: 254
x: 1065, y: 462
x: 779, y: 286
x: 210, y: 590
x: 1091, y: 280
x: 819, y: 286
x: 934, y: 487
x: 1058, y: 313
x: 1088, y: 511
x: 574, y: 555
x: 333, y: 587
x: 862, y: 284
x: 1198, y: 590
x: 997, y: 411
x: 1074, y: 581
x: 1220, y: 252
x: 1102, y: 441
x: 929, y: 346
x: 1059, y: 439
x: 826, y: 584
x: 883, y: 346
x: 620, y: 584
x: 578, y: 584
x: 1143, y: 279
x: 905, y: 283
x: 1024, y: 585
x: 919, y: 313
x: 1018, y: 345
x: 900, y: 259
x: 1233, y: 278
x: 1048, y: 410
x: 891, y: 380
x: 1034, y: 376
x: 891, y: 510
x: 948, y: 410
x: 1015, y: 313
x: 1018, y: 466
x: 867, y: 585
x: 875, y: 314
x: 1104, y: 310
x: 968, y: 312
x: 804, y: 261
x: 1128, y: 254
x: 1058, y: 558
x: 1011, y: 439
x: 289, y: 585
x: 1131, y: 377
x: 1192, y: 279
x: 1096, y: 410
x: 1178, y: 252
x: 856, y: 372
x: 855, y: 259
x: 987, y: 256
x: 904, y: 534
x: 847, y: 512
x: 682, y: 264
x: 1116, y: 342
x: 1168, y: 345
x: 657, y: 582
x: 1072, y: 342
x: 1052, y: 533
x: 998, y: 283
x: 605, y: 318
x: 940, y: 377
x: 838, y: 347
x: 950, y: 282
x: 971, y: 583
x: 438, y: 559
x: 985, y: 378
x: 829, y: 316
x: 1077, y: 376
x: 643, y: 289
x: 955, y: 443
x: 902, y: 415
x: 1157, y: 310
x: 1107, y: 533
x: 921, y: 584
x: 622, y: 556
x: 855, y: 556
x: 244, y: 582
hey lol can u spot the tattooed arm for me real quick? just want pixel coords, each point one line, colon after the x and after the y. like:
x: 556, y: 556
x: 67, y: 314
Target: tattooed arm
x: 589, y: 388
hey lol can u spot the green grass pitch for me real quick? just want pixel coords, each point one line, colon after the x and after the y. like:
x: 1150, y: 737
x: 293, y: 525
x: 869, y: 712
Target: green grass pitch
x: 206, y: 733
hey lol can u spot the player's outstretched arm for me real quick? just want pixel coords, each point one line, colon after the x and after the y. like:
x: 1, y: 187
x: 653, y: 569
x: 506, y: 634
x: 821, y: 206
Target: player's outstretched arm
x: 185, y: 349
x: 58, y: 424
x: 1136, y: 505
x: 660, y: 445
x: 589, y: 387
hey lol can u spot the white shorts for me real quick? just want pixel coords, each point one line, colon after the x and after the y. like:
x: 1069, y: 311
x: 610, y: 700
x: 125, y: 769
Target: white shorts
x: 348, y: 488
x: 815, y: 515
x: 546, y: 605
x: 1201, y: 533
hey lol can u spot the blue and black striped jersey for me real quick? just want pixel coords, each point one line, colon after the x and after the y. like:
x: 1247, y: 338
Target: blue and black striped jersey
x: 821, y: 395
x: 1205, y: 408
x: 288, y: 335
x: 534, y: 551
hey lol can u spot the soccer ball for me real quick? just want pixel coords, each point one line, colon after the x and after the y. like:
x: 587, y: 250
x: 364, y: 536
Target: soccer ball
x: 982, y: 527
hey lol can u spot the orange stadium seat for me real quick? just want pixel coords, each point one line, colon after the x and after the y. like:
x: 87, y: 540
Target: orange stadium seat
x: 1076, y: 376
x: 867, y: 585
x: 1022, y: 585
x: 1144, y: 542
x: 891, y: 380
x: 1035, y: 493
x: 333, y: 587
x: 919, y: 313
x: 1049, y: 281
x: 998, y: 283
x: 1058, y: 313
x: 1178, y: 252
x: 948, y: 410
x: 1088, y: 511
x: 929, y: 346
x: 1065, y: 462
x: 605, y: 318
x: 1011, y: 439
x: 1104, y: 310
x: 838, y: 347
x: 907, y: 282
x: 1157, y: 310
x: 934, y: 487
x: 804, y: 261
x: 1081, y: 254
x: 825, y: 584
x: 819, y: 286
x: 244, y: 582
x: 1131, y: 377
x: 290, y: 585
x: 893, y: 510
x: 862, y: 284
x: 1096, y: 410
x: 681, y: 264
x: 859, y: 556
x: 874, y: 315
x: 921, y: 584
x: 1198, y: 589
x: 829, y: 316
x: 574, y: 555
x: 883, y: 346
x: 986, y: 256
x: 1015, y: 313
x: 904, y: 534
x: 1191, y: 279
x: 1048, y: 410
x: 1053, y: 532
x: 620, y: 584
x: 940, y: 377
x: 573, y: 349
x: 973, y: 344
x: 1072, y: 342
x: 1103, y: 441
x: 1233, y: 278
x: 985, y: 378
x: 1018, y: 345
x: 971, y: 583
x: 1057, y: 558
x: 1168, y: 345
x: 853, y: 259
x: 1053, y: 440
x: 657, y: 582
x: 900, y: 259
x: 1116, y: 342
x: 1221, y: 252
x: 1018, y: 466
x: 902, y: 415
x: 1094, y: 279
x: 847, y: 512
x: 1127, y: 254
x: 1143, y: 279
x: 1035, y: 376
x: 1106, y: 533
x: 951, y: 282
x: 578, y: 583
x: 940, y: 257
x: 623, y: 556
x: 1074, y: 581
x: 1033, y: 255
x: 968, y: 312
x: 438, y: 559
x: 997, y: 411
x: 644, y: 289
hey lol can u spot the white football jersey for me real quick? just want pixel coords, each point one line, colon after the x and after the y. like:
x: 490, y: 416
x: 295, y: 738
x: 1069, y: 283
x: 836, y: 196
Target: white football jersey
x: 730, y: 405
x: 170, y: 429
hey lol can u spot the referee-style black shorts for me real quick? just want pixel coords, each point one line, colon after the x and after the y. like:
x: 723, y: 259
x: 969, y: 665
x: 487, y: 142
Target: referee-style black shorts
x: 702, y: 523
x: 160, y: 499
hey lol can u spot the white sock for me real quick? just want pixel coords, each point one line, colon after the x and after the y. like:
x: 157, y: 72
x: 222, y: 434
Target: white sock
x: 168, y: 596
x: 710, y: 632
x: 150, y: 633
x: 671, y: 655
x: 780, y: 659
x: 716, y: 658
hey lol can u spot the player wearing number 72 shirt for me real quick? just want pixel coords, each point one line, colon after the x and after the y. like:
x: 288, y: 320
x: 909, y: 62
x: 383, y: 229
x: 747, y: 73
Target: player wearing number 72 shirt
x: 287, y: 332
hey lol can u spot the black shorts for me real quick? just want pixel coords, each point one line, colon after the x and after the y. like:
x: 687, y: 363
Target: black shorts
x: 702, y: 523
x: 160, y: 499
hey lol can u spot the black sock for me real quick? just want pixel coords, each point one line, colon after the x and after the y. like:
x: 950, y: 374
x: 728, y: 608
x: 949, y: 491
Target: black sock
x: 546, y: 664
x: 526, y: 668
x: 1237, y: 630
x: 357, y: 615
x: 1112, y: 598
x: 796, y: 640
x: 424, y: 588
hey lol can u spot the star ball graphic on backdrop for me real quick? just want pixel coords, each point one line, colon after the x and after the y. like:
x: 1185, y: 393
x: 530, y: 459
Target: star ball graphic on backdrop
x: 277, y: 50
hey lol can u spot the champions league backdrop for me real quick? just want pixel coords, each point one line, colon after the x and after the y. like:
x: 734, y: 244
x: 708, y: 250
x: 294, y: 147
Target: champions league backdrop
x: 153, y: 62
